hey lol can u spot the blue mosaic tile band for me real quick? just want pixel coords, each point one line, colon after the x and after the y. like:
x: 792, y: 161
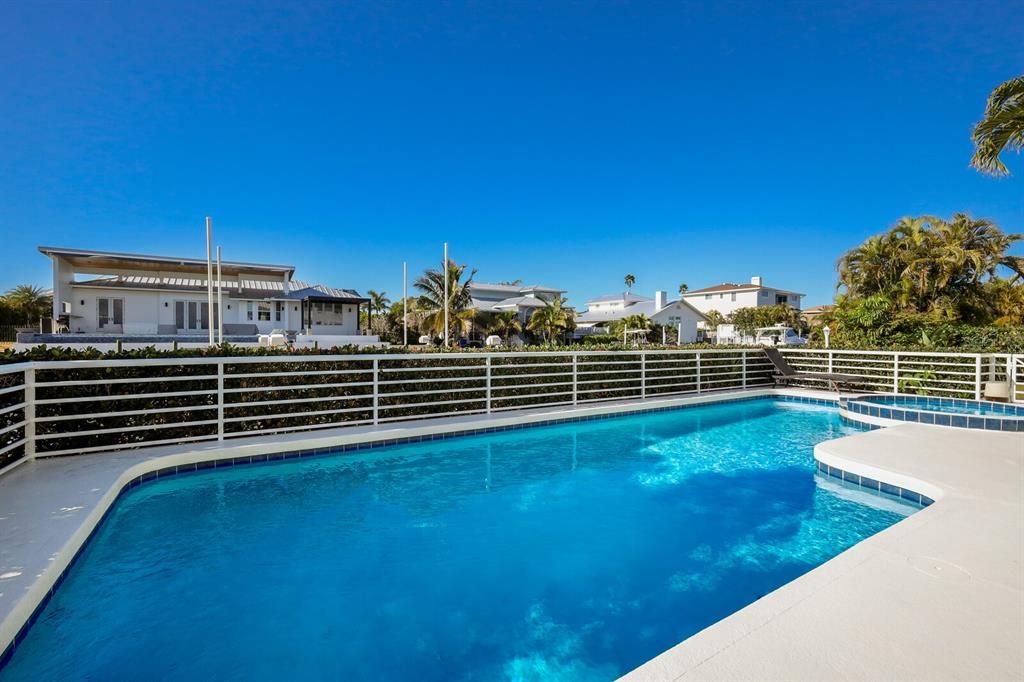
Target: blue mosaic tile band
x: 1003, y: 420
x: 884, y: 489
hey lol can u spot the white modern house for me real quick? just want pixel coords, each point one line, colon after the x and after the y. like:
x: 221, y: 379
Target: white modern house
x: 604, y: 311
x: 727, y: 298
x: 496, y: 298
x: 124, y: 294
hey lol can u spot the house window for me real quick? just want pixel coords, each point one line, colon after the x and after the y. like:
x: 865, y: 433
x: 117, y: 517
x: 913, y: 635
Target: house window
x: 278, y: 311
x: 110, y: 312
x: 707, y: 297
x: 782, y: 299
x: 257, y: 310
x: 733, y: 296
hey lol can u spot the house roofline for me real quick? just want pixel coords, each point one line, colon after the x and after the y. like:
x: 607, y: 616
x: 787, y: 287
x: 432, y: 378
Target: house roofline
x: 101, y: 259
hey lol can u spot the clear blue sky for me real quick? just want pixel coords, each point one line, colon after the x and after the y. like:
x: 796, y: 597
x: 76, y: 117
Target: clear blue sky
x: 560, y: 143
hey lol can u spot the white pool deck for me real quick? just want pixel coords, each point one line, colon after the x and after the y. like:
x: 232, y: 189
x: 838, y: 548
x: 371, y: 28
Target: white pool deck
x: 938, y: 596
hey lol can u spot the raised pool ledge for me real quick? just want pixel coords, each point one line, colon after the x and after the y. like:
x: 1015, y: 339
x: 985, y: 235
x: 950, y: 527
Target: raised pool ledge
x: 938, y: 596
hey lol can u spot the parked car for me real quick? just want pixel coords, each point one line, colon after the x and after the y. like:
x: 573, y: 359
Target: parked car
x: 779, y: 335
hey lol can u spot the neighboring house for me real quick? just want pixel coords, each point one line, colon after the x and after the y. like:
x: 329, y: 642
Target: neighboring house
x: 811, y: 315
x: 496, y: 298
x: 604, y: 311
x: 129, y: 294
x: 727, y: 298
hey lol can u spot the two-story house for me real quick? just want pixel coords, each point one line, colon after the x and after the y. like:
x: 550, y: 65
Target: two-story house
x: 727, y: 298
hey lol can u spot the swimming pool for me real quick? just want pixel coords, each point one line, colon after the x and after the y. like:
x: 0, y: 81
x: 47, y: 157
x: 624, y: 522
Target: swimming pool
x: 574, y: 551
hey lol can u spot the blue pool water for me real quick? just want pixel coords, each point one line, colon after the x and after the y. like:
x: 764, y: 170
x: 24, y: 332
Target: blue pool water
x: 567, y: 552
x: 950, y: 405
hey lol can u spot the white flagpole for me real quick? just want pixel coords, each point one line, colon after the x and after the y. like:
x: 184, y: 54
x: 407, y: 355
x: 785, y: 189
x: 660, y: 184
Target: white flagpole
x: 209, y: 277
x: 445, y: 274
x: 405, y: 304
x: 220, y: 303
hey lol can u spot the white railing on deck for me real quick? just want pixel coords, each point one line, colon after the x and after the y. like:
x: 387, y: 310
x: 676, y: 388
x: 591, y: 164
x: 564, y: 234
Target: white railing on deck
x: 960, y: 375
x: 70, y: 407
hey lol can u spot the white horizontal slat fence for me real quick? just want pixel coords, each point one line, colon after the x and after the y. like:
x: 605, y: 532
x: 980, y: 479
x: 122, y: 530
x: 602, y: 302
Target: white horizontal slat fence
x: 79, y: 406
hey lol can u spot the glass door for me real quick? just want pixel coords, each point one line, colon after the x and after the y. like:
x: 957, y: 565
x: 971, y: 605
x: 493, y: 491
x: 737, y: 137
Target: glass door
x: 191, y: 316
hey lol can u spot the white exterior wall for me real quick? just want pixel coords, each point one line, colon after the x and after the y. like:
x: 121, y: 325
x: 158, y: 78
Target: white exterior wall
x: 146, y: 312
x: 680, y: 317
x: 141, y: 310
x: 724, y: 301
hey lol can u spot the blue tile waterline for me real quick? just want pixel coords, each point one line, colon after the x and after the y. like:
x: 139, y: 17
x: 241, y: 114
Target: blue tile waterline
x: 677, y: 448
x: 955, y: 412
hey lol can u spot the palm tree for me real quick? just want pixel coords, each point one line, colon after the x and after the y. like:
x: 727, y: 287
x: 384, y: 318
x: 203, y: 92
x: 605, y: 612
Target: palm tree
x: 505, y: 324
x: 630, y: 281
x: 927, y: 265
x: 432, y: 303
x: 1001, y: 128
x: 683, y: 288
x: 631, y: 323
x: 379, y: 301
x: 552, y: 320
x: 714, y: 318
x: 29, y: 302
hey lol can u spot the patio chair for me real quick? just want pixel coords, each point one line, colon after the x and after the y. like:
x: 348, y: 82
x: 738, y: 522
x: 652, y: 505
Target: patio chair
x: 784, y: 373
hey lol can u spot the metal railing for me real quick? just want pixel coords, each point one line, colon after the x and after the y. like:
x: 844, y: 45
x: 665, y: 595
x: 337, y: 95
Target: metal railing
x: 950, y: 375
x: 69, y: 407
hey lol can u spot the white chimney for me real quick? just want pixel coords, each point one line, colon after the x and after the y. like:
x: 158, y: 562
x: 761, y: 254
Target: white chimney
x: 660, y: 299
x: 756, y: 280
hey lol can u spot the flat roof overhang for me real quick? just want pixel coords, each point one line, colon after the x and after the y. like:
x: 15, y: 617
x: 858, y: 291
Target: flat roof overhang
x: 109, y: 262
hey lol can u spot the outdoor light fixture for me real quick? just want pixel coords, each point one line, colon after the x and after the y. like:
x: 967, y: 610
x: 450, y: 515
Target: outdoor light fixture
x: 826, y: 331
x: 82, y: 302
x: 166, y: 304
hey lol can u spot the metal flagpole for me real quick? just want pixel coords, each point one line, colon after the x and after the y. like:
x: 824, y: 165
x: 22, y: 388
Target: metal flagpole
x: 445, y: 274
x: 209, y: 277
x: 220, y: 303
x: 405, y: 304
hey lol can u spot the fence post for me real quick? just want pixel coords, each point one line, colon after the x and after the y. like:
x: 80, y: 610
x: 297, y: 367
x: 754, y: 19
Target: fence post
x: 575, y: 367
x: 376, y: 391
x: 895, y: 372
x: 977, y: 377
x: 743, y: 364
x: 643, y: 376
x: 698, y: 372
x: 30, y: 412
x: 488, y: 401
x: 830, y: 361
x: 220, y: 400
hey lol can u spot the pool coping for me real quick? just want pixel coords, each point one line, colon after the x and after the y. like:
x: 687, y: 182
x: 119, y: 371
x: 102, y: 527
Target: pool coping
x: 122, y: 470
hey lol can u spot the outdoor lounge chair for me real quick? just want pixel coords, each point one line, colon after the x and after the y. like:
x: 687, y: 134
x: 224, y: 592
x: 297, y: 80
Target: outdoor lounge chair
x: 784, y: 373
